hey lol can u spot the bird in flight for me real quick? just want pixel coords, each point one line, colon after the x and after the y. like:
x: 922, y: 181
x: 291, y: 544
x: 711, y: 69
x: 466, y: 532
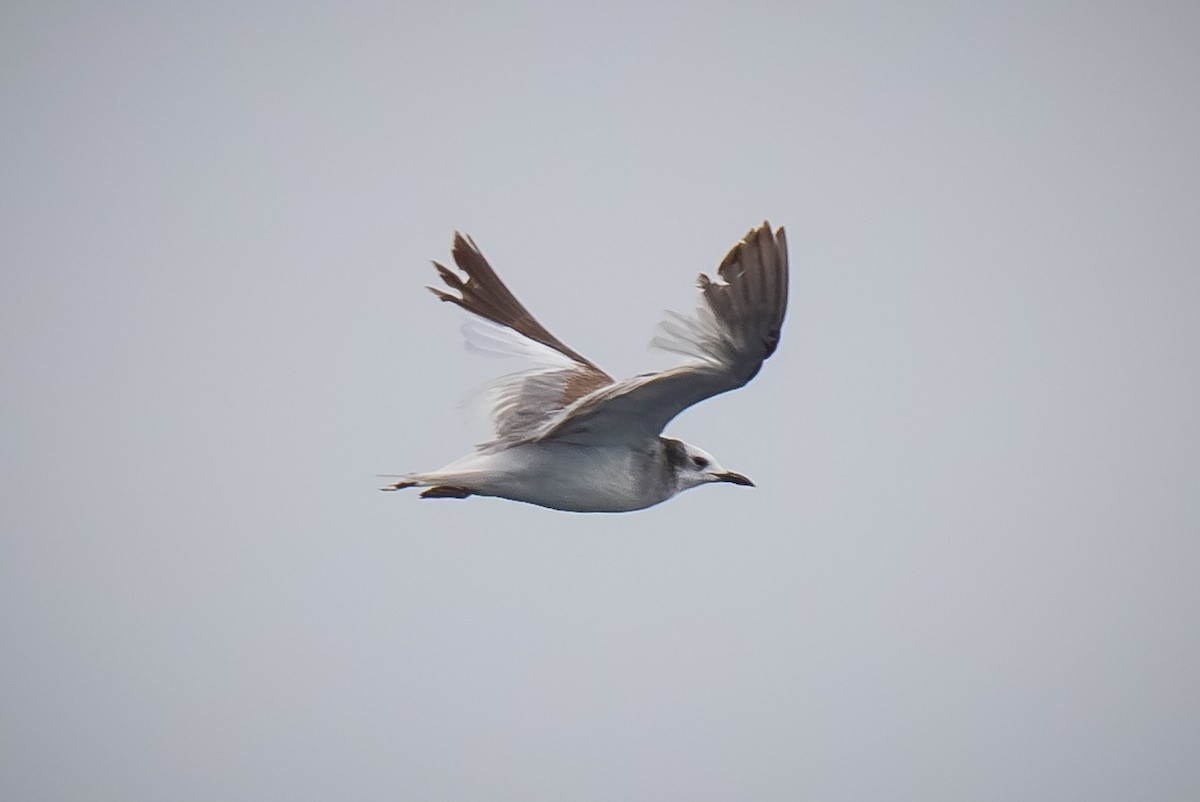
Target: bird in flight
x: 570, y: 437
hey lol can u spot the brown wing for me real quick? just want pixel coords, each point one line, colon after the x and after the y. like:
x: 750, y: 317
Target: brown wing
x: 736, y: 329
x: 484, y: 294
x: 522, y: 402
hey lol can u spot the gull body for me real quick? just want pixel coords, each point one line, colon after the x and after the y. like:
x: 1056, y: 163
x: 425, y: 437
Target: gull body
x: 571, y: 438
x: 578, y: 478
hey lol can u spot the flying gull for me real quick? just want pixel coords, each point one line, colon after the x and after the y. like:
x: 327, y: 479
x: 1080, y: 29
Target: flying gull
x: 570, y: 437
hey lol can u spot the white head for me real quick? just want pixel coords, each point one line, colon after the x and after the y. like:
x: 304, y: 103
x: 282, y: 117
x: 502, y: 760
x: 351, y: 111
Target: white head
x: 694, y: 466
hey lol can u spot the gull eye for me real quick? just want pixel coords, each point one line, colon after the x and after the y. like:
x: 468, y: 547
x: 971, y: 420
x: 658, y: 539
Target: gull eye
x: 700, y: 462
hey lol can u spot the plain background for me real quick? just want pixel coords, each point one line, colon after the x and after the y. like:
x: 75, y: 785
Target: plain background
x: 969, y: 571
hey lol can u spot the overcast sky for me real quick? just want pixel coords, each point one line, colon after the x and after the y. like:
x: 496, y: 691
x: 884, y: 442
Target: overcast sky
x: 969, y: 569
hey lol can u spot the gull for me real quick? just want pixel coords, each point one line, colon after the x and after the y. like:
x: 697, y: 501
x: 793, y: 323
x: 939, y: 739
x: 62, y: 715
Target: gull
x: 570, y: 437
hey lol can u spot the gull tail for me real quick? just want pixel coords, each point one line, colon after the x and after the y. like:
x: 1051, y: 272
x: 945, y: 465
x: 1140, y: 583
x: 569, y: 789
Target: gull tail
x: 433, y: 488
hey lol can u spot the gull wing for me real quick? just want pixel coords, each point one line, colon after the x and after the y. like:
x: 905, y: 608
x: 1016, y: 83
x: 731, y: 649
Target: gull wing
x: 735, y: 329
x: 522, y: 402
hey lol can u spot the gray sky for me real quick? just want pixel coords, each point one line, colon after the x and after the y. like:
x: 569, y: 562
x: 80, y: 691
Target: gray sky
x: 968, y: 571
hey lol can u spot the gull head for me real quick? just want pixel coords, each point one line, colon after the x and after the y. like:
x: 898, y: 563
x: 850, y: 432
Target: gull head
x: 694, y: 466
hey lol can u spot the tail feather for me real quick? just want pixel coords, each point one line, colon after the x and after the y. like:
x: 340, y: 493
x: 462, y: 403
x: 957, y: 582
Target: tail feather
x: 450, y: 482
x: 433, y: 490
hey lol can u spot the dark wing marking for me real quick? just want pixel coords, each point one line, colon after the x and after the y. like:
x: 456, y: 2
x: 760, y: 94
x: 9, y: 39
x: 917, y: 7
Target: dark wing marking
x: 522, y: 402
x: 484, y: 294
x: 734, y: 331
